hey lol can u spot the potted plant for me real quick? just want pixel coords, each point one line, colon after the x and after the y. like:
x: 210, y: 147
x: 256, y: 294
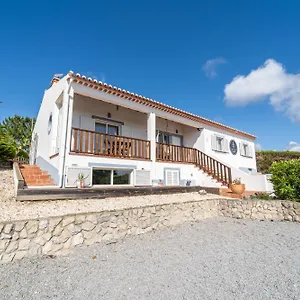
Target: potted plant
x: 237, y: 187
x: 80, y: 180
x: 160, y: 183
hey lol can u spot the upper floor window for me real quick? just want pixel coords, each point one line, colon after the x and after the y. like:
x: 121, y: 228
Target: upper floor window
x: 169, y: 138
x: 219, y: 143
x: 245, y: 149
x: 107, y: 128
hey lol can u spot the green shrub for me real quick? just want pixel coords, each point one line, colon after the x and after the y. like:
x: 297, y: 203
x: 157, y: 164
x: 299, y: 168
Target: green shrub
x: 7, y: 148
x: 286, y: 179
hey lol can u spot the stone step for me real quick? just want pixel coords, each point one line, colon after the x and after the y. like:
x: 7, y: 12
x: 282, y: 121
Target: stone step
x: 34, y: 176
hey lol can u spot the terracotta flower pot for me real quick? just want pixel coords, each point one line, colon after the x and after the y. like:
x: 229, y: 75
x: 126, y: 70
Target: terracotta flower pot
x: 80, y: 184
x: 237, y: 188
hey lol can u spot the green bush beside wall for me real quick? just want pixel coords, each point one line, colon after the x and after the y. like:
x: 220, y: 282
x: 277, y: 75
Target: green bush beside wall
x: 286, y: 179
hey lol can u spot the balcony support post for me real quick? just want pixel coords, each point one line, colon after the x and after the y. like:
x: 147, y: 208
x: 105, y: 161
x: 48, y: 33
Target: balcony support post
x: 151, y: 136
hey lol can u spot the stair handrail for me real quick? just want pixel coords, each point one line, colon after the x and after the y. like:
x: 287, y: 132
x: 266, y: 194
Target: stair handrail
x: 219, y: 171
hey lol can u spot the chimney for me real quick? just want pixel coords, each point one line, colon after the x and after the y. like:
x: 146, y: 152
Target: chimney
x: 56, y: 78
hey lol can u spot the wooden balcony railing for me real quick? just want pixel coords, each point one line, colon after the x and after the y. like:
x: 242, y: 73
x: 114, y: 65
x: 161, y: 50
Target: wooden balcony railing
x: 173, y: 153
x: 92, y: 142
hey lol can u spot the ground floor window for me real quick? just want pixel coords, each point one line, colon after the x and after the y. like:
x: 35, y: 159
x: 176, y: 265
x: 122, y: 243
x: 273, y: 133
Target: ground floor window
x: 101, y: 176
x: 111, y: 177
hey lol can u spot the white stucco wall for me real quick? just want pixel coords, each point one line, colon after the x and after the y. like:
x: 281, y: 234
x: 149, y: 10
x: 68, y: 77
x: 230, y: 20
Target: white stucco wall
x: 187, y: 171
x: 194, y: 138
x: 45, y: 138
x: 135, y: 123
x: 237, y: 161
x: 169, y: 126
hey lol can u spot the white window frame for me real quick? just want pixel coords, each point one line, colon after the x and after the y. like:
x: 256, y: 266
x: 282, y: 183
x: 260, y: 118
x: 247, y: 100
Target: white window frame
x: 245, y: 150
x: 168, y: 136
x: 108, y: 124
x: 219, y: 141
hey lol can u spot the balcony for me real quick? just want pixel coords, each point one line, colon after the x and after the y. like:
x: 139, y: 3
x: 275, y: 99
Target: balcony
x: 94, y: 143
x: 89, y: 142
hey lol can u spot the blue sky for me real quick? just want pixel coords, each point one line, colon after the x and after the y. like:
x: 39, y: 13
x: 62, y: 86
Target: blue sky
x: 160, y: 49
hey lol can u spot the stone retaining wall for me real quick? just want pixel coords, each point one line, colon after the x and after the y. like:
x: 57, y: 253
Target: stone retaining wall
x: 272, y: 210
x: 59, y: 235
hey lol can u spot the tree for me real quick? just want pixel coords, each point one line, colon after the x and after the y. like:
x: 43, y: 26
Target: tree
x: 15, y: 133
x: 7, y: 148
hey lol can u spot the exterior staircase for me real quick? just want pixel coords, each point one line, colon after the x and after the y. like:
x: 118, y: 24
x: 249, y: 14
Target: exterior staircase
x: 34, y: 176
x: 209, y: 165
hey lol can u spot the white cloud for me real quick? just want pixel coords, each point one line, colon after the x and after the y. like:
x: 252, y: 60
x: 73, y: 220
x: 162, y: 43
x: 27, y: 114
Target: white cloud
x: 258, y: 147
x: 210, y: 67
x: 269, y: 81
x: 293, y: 146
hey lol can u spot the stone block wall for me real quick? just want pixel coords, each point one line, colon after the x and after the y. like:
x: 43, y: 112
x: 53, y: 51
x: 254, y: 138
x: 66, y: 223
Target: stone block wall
x: 59, y: 235
x: 272, y: 210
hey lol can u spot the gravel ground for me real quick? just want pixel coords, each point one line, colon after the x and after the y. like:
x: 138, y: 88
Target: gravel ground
x: 212, y: 259
x: 7, y: 192
x: 10, y: 209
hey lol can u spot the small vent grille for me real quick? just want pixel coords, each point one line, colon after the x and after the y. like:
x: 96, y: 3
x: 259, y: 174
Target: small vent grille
x: 142, y: 178
x: 72, y: 176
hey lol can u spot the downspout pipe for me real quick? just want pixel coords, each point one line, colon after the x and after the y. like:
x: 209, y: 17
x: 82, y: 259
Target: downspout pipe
x: 63, y: 175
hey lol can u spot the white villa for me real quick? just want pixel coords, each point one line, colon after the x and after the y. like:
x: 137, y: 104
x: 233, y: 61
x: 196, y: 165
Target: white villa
x: 115, y: 137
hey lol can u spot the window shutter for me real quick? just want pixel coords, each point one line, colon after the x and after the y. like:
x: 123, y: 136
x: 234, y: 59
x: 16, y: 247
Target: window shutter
x: 169, y: 177
x: 172, y: 177
x: 214, y: 142
x: 241, y: 149
x: 142, y: 177
x: 175, y: 178
x: 250, y: 153
x: 225, y: 146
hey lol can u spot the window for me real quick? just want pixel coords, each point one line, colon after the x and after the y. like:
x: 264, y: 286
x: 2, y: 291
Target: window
x: 50, y: 123
x: 107, y: 128
x: 169, y: 138
x: 245, y: 149
x: 121, y: 176
x: 111, y: 177
x: 219, y: 143
x: 101, y: 176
